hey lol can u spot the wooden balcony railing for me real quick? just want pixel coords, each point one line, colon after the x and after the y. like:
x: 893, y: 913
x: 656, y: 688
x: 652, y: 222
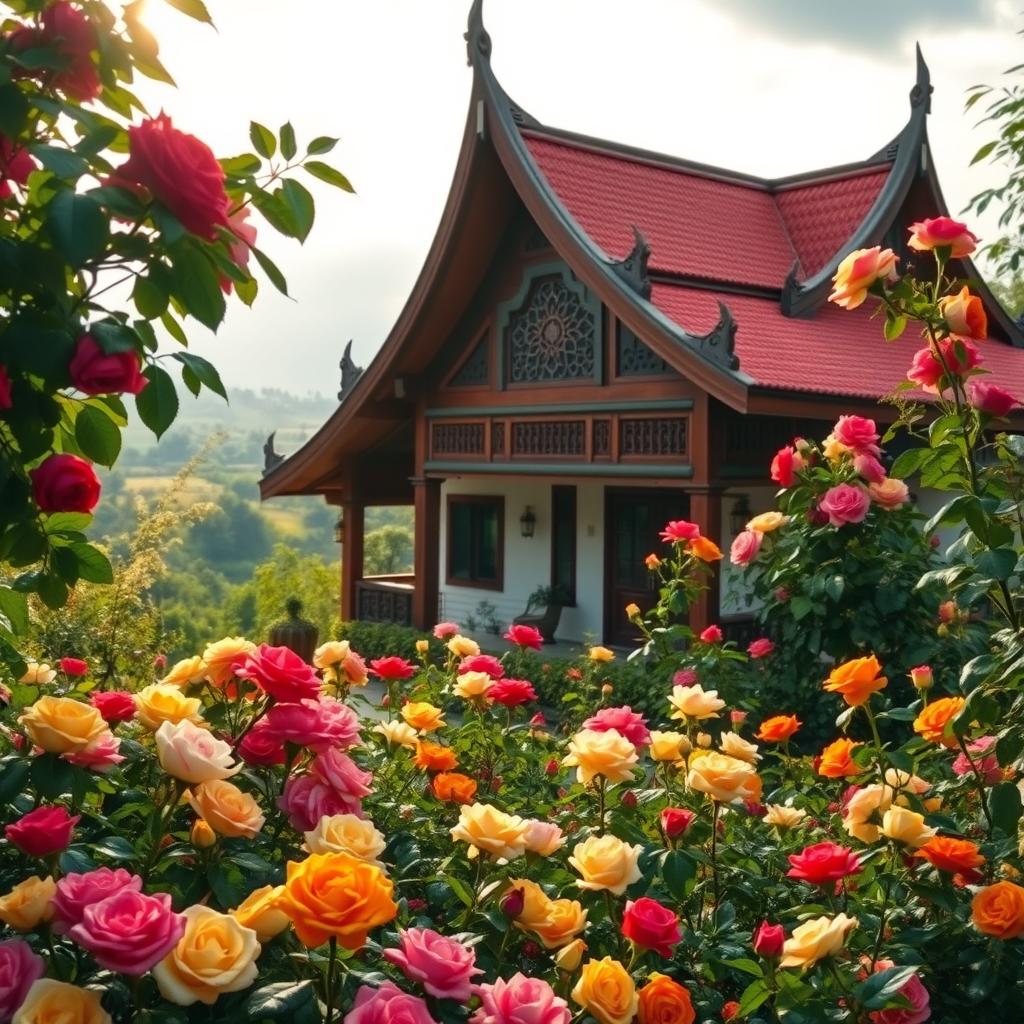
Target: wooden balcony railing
x: 385, y: 598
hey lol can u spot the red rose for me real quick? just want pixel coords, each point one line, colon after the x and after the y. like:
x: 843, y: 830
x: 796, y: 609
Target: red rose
x: 651, y: 926
x: 180, y: 171
x: 281, y: 673
x: 675, y: 821
x: 730, y: 1010
x: 65, y: 483
x: 392, y: 668
x: 769, y: 939
x: 73, y: 666
x: 96, y: 372
x: 486, y: 663
x: 785, y: 465
x: 711, y: 635
x: 15, y: 165
x: 679, y: 530
x: 113, y: 705
x: 512, y: 692
x: 43, y: 831
x: 823, y: 862
x: 5, y: 389
x: 990, y: 398
x: 760, y: 648
x: 260, y: 746
x: 525, y: 636
x: 68, y: 32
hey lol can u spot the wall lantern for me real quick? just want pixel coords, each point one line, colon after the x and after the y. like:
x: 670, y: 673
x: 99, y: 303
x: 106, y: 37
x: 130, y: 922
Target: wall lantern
x: 527, y: 522
x: 339, y: 529
x: 739, y: 515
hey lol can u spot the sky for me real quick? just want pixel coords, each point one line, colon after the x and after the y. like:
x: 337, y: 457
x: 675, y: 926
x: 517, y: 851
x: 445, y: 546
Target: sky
x: 769, y: 87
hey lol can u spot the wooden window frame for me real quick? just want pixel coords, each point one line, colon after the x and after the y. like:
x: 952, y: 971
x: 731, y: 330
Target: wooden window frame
x: 476, y: 499
x: 555, y: 489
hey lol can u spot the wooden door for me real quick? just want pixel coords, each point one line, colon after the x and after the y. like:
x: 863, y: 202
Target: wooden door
x: 633, y: 520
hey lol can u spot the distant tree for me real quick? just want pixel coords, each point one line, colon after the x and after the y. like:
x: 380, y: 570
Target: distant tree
x: 387, y: 550
x: 235, y: 539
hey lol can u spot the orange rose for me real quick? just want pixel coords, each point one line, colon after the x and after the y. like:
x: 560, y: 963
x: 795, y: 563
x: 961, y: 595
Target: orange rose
x: 935, y: 722
x: 664, y: 1001
x: 952, y: 855
x: 858, y: 272
x: 836, y: 761
x: 965, y: 314
x: 564, y: 920
x: 998, y: 910
x: 856, y: 680
x: 334, y: 894
x: 778, y: 729
x: 454, y: 788
x: 432, y: 757
x: 423, y: 716
x: 704, y: 549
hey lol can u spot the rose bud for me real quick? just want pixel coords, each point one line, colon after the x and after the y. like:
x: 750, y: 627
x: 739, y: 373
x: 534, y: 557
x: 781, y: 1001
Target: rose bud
x: 629, y: 798
x: 768, y: 940
x: 568, y: 957
x: 160, y: 663
x: 737, y: 717
x: 730, y: 1009
x: 538, y: 721
x: 675, y: 821
x: 607, y: 689
x: 921, y: 677
x: 202, y: 837
x: 512, y: 903
x: 41, y: 832
x: 551, y: 768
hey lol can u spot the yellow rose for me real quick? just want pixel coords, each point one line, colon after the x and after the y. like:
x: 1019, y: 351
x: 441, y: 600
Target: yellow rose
x: 471, y: 685
x: 463, y: 647
x: 834, y: 450
x: 37, y: 674
x: 606, y: 862
x: 333, y: 894
x: 598, y: 653
x: 162, y: 702
x: 565, y: 920
x: 345, y: 833
x: 61, y: 725
x: 608, y: 754
x: 816, y: 939
x: 535, y: 904
x: 216, y: 954
x: 782, y: 816
x: 692, y: 702
x: 766, y: 522
x: 57, y: 1002
x: 220, y: 656
x: 186, y: 671
x: 28, y: 904
x: 422, y: 646
x: 331, y: 653
x: 260, y: 912
x: 724, y: 778
x: 336, y: 659
x: 568, y: 957
x: 397, y: 733
x: 668, y: 746
x: 201, y: 836
x: 632, y: 611
x: 864, y: 809
x: 606, y: 991
x: 226, y: 809
x: 905, y: 826
x: 734, y: 745
x: 489, y: 830
x: 423, y: 716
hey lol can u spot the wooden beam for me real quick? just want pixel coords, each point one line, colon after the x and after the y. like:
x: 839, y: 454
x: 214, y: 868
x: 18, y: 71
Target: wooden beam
x: 351, y: 558
x: 426, y: 551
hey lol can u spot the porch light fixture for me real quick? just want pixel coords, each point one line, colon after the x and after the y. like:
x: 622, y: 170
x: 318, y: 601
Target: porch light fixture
x: 339, y: 529
x: 739, y: 515
x: 527, y: 522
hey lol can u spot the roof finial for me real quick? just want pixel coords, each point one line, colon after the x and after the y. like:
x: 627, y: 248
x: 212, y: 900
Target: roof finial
x: 632, y: 268
x: 478, y: 41
x: 922, y: 91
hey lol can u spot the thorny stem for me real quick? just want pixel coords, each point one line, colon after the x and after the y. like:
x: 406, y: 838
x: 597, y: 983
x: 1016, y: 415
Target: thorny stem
x: 981, y: 782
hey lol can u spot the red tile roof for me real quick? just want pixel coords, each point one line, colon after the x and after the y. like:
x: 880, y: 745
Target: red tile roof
x: 835, y: 352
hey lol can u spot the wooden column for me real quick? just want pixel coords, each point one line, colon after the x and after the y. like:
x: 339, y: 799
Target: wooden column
x: 706, y: 512
x: 426, y: 551
x: 351, y: 558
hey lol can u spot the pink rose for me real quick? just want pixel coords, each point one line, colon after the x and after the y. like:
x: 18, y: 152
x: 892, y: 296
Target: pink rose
x: 485, y: 663
x: 100, y: 756
x: 937, y: 232
x: 443, y: 630
x: 760, y: 648
x: 525, y: 636
x: 444, y: 967
x: 307, y: 798
x: 679, y: 531
x: 990, y: 398
x: 858, y: 433
x: 96, y: 372
x: 114, y: 705
x: 261, y: 746
x: 281, y: 673
x: 520, y: 1000
x: 241, y: 245
x: 6, y: 401
x: 392, y: 668
x: 959, y: 354
x: 343, y: 775
x: 844, y: 504
x: 387, y: 1005
x: 129, y: 932
x: 65, y: 483
x: 745, y: 547
x: 711, y: 635
x: 77, y: 891
x: 890, y: 494
x: 914, y: 992
x: 786, y: 464
x: 317, y: 724
x: 624, y: 720
x: 987, y: 763
x: 511, y: 692
x: 41, y: 832
x: 651, y: 926
x: 19, y: 968
x: 869, y: 468
x: 15, y: 165
x: 684, y: 677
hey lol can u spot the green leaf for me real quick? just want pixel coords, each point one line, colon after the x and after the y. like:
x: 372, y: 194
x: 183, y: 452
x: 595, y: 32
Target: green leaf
x: 751, y: 967
x: 987, y: 148
x: 301, y: 207
x: 263, y: 140
x: 461, y: 890
x: 13, y: 110
x: 157, y: 403
x: 78, y: 227
x: 243, y: 166
x: 150, y: 297
x: 204, y: 371
x: 65, y: 163
x: 193, y: 8
x: 320, y: 145
x: 753, y: 996
x: 998, y: 564
x: 270, y: 269
x: 894, y: 327
x: 197, y: 284
x: 63, y: 522
x: 281, y: 1001
x: 115, y: 848
x: 287, y: 135
x: 51, y: 776
x: 1005, y: 807
x: 93, y: 565
x: 13, y: 776
x: 880, y: 988
x: 53, y: 590
x: 97, y: 436
x: 909, y: 462
x: 800, y: 607
x: 14, y: 608
x: 329, y: 174
x: 677, y: 869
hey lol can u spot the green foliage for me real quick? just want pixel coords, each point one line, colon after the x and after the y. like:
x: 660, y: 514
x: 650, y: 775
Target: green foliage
x: 387, y: 550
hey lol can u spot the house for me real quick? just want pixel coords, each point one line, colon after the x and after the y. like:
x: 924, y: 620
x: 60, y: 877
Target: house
x: 603, y: 339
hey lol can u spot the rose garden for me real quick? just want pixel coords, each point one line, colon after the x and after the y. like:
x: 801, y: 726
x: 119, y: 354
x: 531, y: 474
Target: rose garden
x: 422, y: 835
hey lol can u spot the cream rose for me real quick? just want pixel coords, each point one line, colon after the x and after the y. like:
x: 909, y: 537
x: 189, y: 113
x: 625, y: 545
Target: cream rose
x: 692, y: 702
x: 489, y: 830
x: 192, y: 754
x: 766, y: 522
x: 724, y: 778
x: 906, y: 826
x: 608, y: 754
x: 397, y: 733
x: 345, y: 833
x: 783, y: 816
x: 471, y: 685
x: 606, y: 862
x: 226, y: 809
x: 864, y: 809
x: 543, y: 837
x: 734, y: 745
x: 37, y: 674
x: 816, y: 939
x: 463, y: 647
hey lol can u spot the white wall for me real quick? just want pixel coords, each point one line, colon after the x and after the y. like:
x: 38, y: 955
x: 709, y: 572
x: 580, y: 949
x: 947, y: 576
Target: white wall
x: 732, y: 592
x: 528, y: 560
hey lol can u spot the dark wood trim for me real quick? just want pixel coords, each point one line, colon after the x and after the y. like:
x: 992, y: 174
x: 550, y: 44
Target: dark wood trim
x: 675, y: 471
x: 637, y: 405
x: 570, y: 491
x: 426, y: 556
x: 476, y: 499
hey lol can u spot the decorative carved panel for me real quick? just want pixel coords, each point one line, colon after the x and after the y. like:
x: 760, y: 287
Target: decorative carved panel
x: 635, y: 359
x: 550, y: 438
x: 457, y: 438
x: 652, y: 437
x: 602, y: 438
x: 383, y: 604
x: 552, y: 335
x: 497, y: 440
x: 475, y: 372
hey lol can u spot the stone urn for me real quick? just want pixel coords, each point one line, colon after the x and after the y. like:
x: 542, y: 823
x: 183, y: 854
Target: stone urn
x: 295, y: 633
